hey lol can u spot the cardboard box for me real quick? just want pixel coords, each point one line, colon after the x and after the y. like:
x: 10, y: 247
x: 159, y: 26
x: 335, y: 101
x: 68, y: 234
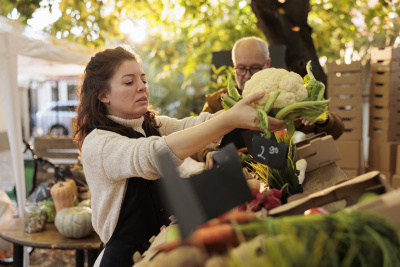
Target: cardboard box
x: 346, y: 100
x: 391, y: 115
x: 384, y: 135
x: 385, y: 65
x: 395, y: 181
x: 384, y: 124
x: 319, y: 150
x: 352, y: 129
x: 344, y: 78
x: 391, y: 87
x: 344, y: 89
x: 398, y: 160
x: 351, y: 154
x: 385, y: 77
x: 348, y: 191
x: 389, y: 53
x: 334, y: 67
x: 382, y: 155
x: 384, y: 99
x: 351, y: 173
x: 351, y: 111
x: 387, y: 204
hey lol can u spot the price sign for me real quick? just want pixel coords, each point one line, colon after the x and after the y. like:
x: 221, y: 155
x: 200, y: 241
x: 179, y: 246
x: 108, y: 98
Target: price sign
x: 266, y: 151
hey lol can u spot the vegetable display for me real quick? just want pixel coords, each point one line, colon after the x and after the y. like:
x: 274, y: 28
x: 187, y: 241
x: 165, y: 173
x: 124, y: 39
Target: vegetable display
x: 289, y: 179
x: 287, y: 97
x: 238, y: 239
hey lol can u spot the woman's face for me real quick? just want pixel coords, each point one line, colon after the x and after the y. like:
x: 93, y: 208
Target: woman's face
x: 129, y: 94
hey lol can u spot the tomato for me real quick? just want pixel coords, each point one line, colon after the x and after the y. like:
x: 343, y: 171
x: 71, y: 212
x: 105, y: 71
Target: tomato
x: 314, y: 211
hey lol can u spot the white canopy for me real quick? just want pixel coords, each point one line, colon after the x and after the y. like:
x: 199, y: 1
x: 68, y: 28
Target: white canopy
x: 28, y: 52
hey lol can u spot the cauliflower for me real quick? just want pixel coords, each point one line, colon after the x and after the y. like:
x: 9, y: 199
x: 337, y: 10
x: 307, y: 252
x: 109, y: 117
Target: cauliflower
x: 290, y: 85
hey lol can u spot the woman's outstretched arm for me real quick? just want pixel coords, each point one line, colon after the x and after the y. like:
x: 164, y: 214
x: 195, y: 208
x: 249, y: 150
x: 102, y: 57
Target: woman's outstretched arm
x: 187, y: 142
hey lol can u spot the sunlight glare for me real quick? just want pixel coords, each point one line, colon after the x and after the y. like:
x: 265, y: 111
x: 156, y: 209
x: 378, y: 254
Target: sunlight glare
x: 137, y: 32
x: 42, y: 17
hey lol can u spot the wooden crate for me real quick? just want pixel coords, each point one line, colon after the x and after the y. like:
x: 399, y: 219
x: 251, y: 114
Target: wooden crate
x: 337, y: 90
x: 350, y: 112
x: 384, y: 99
x: 353, y: 78
x: 385, y: 86
x: 385, y: 77
x: 345, y: 100
x: 385, y: 65
x: 388, y: 53
x: 334, y: 67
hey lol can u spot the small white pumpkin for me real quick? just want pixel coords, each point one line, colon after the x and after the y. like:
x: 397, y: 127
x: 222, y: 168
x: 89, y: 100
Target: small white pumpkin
x: 74, y: 222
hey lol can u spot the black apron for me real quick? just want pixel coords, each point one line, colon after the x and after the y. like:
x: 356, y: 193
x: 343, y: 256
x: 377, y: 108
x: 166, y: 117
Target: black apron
x: 141, y: 216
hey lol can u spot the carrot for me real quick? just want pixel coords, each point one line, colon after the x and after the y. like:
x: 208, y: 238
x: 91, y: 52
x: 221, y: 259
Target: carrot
x: 232, y: 216
x: 222, y: 233
x: 215, y: 234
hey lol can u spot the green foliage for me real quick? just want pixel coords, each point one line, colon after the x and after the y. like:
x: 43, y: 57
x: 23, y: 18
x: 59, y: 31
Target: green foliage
x: 219, y: 78
x: 359, y: 24
x: 183, y: 34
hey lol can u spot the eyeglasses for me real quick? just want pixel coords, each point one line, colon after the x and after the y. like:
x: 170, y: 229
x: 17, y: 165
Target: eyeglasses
x: 243, y: 71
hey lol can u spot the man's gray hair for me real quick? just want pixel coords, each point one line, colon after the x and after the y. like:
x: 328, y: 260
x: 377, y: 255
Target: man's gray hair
x: 261, y: 42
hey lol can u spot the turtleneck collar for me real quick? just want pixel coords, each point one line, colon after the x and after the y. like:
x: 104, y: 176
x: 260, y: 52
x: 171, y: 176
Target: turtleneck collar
x: 136, y: 124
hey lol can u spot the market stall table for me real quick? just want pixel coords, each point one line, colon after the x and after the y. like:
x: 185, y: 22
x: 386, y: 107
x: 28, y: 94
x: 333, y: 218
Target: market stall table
x: 50, y: 238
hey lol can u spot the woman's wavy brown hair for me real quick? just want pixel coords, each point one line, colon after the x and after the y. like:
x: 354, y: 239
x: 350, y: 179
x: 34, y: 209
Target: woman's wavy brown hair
x: 92, y: 113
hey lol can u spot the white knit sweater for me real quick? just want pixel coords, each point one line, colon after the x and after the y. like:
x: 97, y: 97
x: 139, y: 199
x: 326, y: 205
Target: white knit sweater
x: 109, y: 159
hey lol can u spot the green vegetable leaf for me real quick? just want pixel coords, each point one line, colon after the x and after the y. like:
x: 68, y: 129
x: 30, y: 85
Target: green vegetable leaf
x: 227, y: 101
x: 263, y: 124
x: 314, y: 88
x: 271, y: 101
x: 232, y: 91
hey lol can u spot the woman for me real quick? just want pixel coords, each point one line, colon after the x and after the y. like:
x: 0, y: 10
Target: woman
x: 120, y: 137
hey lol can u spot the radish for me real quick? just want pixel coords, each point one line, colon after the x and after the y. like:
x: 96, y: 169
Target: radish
x: 262, y: 197
x: 272, y: 203
x: 242, y: 207
x: 255, y: 205
x: 276, y: 192
x: 254, y: 192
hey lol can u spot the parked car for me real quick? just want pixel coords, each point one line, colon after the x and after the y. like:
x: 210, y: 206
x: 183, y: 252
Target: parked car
x: 55, y: 118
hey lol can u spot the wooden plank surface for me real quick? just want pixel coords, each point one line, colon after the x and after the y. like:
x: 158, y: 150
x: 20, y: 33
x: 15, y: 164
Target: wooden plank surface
x: 13, y: 231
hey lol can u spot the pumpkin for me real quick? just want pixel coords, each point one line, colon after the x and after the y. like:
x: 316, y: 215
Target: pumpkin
x: 63, y: 194
x: 74, y: 222
x: 85, y: 203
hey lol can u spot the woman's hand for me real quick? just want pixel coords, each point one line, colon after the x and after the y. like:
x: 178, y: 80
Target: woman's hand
x: 244, y: 115
x: 209, y: 160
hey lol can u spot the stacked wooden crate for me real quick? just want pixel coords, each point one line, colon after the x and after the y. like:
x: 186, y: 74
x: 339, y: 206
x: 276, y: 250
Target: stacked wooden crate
x: 345, y: 92
x: 384, y: 123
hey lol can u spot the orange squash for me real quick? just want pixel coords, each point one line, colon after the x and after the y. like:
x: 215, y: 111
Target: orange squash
x: 63, y: 194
